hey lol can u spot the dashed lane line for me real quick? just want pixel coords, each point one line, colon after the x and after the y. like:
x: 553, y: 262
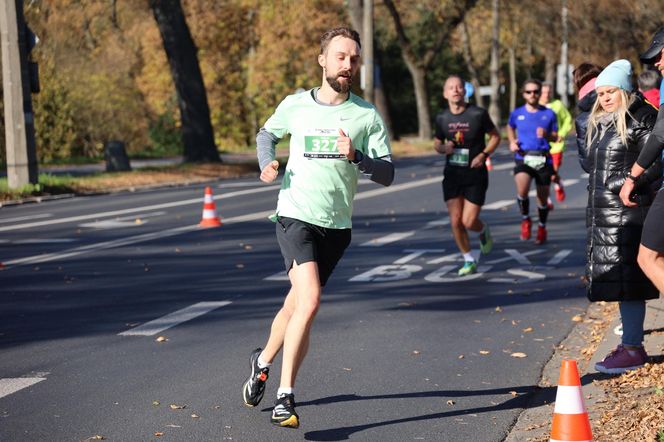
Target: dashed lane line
x: 172, y: 319
x: 12, y: 385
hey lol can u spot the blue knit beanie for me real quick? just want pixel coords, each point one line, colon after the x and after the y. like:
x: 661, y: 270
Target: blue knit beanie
x: 618, y: 74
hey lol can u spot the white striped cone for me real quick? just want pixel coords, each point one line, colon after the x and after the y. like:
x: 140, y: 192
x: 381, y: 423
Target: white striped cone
x: 570, y: 419
x: 210, y: 218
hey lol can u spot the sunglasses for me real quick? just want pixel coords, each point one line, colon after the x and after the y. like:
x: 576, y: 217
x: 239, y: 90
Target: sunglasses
x: 533, y: 91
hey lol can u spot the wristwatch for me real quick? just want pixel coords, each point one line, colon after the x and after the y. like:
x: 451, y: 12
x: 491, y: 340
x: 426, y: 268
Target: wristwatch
x: 486, y: 155
x: 632, y: 177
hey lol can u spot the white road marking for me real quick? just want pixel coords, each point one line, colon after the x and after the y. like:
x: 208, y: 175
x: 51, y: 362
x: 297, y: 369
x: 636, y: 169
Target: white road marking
x: 12, y: 385
x: 172, y: 319
x: 439, y: 222
x: 503, y: 166
x: 496, y: 205
x: 127, y: 221
x: 520, y: 257
x: 526, y: 273
x: 37, y: 241
x: 135, y: 209
x: 558, y: 257
x: 392, y: 237
x: 23, y: 218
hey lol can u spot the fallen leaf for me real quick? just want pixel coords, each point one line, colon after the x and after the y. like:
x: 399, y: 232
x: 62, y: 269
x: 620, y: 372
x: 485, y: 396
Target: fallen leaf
x: 461, y: 356
x: 450, y: 402
x: 527, y: 330
x: 248, y: 247
x: 161, y: 339
x: 195, y: 416
x: 484, y: 352
x: 499, y: 309
x: 158, y: 433
x: 96, y: 437
x: 416, y: 352
x: 347, y: 369
x: 577, y: 318
x: 177, y: 407
x: 514, y: 393
x: 518, y: 354
x: 155, y: 403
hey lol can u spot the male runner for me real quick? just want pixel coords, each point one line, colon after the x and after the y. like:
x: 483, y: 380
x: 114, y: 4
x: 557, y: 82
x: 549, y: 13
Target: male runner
x: 564, y: 120
x: 651, y: 249
x: 460, y: 134
x: 530, y: 129
x: 334, y: 136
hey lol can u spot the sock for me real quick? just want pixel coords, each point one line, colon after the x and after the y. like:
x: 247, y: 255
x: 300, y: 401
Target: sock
x: 543, y: 215
x: 261, y: 362
x: 281, y: 392
x: 524, y: 206
x: 468, y: 257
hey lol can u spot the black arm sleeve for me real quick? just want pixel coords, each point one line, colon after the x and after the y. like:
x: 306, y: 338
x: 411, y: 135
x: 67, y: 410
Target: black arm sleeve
x: 655, y: 143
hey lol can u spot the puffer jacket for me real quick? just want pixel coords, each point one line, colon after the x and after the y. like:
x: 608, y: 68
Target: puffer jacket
x: 614, y: 230
x: 585, y: 105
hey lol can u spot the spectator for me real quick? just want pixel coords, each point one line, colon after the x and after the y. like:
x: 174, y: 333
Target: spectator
x: 649, y: 82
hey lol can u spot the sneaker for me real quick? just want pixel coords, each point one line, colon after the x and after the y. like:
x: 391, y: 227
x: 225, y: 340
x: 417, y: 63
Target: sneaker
x: 526, y: 225
x: 469, y: 267
x: 621, y: 359
x: 284, y: 413
x: 486, y: 242
x: 617, y: 330
x: 254, y: 387
x: 541, y: 235
x: 560, y: 193
x: 549, y: 204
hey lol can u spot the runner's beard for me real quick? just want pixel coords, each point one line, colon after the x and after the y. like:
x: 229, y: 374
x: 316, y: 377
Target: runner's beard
x: 341, y: 88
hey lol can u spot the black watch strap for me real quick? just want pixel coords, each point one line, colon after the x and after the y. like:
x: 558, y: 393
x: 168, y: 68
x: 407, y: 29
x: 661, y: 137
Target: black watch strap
x: 359, y: 156
x: 632, y: 177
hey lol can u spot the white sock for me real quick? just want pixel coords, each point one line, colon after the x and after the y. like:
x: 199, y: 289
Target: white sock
x: 284, y: 391
x: 261, y: 362
x: 468, y: 257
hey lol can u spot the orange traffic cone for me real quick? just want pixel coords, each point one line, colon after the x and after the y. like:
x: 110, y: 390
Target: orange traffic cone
x: 210, y: 218
x: 570, y: 418
x: 488, y: 164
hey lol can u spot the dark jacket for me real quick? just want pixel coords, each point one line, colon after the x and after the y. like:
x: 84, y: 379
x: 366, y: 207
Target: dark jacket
x: 614, y: 231
x: 585, y: 105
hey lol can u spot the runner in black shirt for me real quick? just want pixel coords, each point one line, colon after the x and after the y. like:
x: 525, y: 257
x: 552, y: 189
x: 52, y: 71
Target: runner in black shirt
x: 460, y: 134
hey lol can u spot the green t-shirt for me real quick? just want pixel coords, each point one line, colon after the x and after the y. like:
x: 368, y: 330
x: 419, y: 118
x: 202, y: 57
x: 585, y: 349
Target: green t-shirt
x: 320, y: 183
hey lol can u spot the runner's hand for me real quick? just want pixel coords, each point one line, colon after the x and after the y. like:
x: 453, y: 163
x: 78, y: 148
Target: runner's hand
x: 345, y: 146
x: 626, y: 191
x: 514, y: 146
x: 270, y: 172
x: 478, y: 161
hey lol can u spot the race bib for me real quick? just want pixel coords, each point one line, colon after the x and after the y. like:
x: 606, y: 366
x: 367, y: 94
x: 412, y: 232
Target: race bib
x: 534, y: 161
x: 460, y: 157
x: 321, y: 143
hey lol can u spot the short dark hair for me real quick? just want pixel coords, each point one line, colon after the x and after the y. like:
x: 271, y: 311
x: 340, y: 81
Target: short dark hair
x: 451, y: 76
x: 531, y: 81
x: 344, y: 31
x: 584, y: 73
x: 649, y: 80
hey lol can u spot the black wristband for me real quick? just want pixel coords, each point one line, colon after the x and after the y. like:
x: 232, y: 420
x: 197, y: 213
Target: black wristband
x: 632, y: 177
x: 358, y: 157
x: 486, y: 155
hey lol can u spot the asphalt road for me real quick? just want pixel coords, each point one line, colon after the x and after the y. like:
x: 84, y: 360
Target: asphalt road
x: 402, y: 348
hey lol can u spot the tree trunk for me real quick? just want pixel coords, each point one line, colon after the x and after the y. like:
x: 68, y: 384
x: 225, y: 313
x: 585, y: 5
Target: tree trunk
x: 494, y: 107
x: 513, y: 86
x: 355, y: 10
x: 421, y: 99
x: 470, y: 64
x: 549, y: 70
x: 197, y: 134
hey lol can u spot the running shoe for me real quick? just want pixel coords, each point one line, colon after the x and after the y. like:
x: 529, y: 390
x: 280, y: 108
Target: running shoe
x: 621, y: 359
x: 526, y: 225
x: 541, y: 235
x: 469, y: 267
x: 486, y: 242
x: 284, y: 414
x: 549, y: 203
x: 560, y: 192
x: 254, y: 387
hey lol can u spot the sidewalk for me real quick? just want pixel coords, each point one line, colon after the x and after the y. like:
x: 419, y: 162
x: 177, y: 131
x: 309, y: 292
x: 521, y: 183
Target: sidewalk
x: 534, y: 424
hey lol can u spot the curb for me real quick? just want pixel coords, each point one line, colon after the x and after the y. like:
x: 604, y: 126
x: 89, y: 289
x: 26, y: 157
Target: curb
x: 534, y: 422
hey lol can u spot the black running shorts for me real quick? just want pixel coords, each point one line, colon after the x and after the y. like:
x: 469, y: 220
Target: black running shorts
x: 302, y: 242
x: 466, y: 182
x: 542, y: 176
x: 652, y: 235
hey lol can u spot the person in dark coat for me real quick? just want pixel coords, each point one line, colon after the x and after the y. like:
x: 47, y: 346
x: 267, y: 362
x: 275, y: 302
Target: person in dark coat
x: 584, y: 80
x: 618, y: 127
